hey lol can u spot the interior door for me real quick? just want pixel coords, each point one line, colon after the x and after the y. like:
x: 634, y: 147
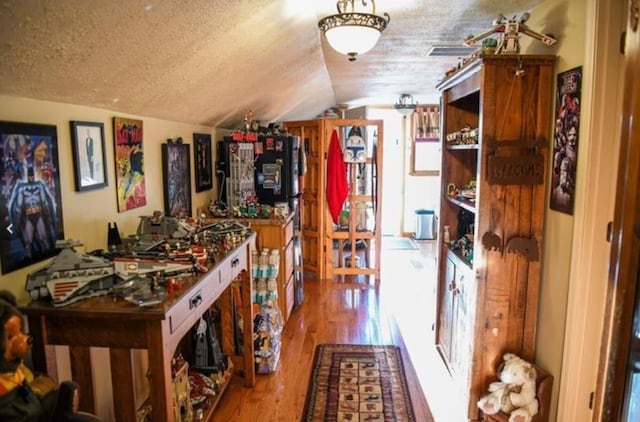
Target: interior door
x: 618, y: 396
x: 631, y: 397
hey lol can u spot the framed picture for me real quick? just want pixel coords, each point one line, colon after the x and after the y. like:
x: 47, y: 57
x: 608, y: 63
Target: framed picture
x: 202, y: 158
x: 30, y: 199
x: 176, y: 174
x: 565, y: 140
x: 129, y: 158
x: 87, y: 143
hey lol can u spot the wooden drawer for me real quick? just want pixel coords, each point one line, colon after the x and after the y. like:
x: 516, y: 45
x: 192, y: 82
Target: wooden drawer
x: 202, y: 296
x: 290, y: 296
x: 287, y: 261
x: 288, y: 232
x: 233, y: 265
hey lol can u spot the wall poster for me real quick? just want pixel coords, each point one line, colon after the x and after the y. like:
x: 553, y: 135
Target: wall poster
x: 565, y: 144
x: 129, y: 156
x: 30, y: 199
x: 176, y: 175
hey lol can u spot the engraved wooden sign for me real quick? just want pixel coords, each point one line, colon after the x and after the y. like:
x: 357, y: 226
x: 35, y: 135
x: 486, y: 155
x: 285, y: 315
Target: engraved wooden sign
x: 516, y: 170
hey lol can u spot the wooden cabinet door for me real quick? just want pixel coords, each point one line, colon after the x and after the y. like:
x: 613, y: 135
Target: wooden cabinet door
x: 447, y: 314
x: 312, y: 208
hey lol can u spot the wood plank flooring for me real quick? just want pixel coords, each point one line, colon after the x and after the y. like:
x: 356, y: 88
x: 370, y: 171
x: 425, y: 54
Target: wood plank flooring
x: 396, y: 310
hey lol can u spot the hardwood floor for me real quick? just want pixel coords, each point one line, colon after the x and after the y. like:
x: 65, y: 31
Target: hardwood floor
x: 396, y: 310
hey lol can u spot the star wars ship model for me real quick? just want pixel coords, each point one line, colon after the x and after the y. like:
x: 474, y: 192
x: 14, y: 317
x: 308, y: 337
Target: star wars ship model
x: 71, y: 276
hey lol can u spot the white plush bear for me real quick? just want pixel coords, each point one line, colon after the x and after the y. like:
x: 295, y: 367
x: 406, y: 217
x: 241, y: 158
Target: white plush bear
x: 515, y: 393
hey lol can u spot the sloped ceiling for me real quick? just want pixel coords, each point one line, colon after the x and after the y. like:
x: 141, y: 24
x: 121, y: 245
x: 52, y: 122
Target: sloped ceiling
x: 208, y: 61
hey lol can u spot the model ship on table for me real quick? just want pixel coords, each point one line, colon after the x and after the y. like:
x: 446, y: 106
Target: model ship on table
x: 71, y: 276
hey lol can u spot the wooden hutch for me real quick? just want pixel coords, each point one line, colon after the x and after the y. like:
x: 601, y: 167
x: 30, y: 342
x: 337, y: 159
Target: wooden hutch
x: 495, y: 127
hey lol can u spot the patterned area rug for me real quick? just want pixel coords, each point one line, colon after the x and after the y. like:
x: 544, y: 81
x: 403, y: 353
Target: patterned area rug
x: 357, y: 383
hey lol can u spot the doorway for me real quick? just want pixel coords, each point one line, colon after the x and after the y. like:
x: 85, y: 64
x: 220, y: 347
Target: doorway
x: 394, y: 170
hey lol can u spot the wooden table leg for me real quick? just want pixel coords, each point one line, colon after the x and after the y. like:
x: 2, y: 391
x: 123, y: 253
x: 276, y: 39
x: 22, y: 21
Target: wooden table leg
x: 124, y: 404
x: 81, y: 373
x: 247, y: 313
x: 160, y: 384
x: 37, y: 329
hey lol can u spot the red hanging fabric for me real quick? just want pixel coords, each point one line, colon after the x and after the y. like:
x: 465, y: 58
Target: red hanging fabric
x: 337, y: 186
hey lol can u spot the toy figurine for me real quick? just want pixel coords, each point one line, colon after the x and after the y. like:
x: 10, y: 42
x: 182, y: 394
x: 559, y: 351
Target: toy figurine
x: 510, y: 30
x: 25, y: 396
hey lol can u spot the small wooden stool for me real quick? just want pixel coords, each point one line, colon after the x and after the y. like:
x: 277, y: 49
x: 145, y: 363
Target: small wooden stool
x: 544, y: 384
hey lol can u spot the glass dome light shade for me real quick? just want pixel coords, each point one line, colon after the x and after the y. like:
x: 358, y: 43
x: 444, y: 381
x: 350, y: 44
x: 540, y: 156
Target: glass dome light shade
x: 352, y: 39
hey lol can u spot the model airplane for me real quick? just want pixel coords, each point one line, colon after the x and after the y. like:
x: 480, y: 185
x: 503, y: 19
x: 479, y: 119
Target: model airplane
x: 510, y: 30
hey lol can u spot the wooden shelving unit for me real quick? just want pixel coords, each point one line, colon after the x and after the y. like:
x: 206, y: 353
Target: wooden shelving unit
x: 496, y: 118
x: 324, y: 244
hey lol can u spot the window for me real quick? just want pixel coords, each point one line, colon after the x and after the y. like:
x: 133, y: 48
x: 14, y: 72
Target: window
x: 425, y: 141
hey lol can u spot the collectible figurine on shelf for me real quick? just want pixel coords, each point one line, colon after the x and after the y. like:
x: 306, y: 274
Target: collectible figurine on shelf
x: 510, y: 30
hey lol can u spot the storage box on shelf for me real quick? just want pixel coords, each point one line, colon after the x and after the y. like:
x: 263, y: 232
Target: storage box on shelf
x: 496, y: 119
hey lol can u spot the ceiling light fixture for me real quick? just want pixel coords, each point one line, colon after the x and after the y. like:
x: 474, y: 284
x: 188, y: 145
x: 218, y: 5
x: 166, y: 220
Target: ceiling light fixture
x: 405, y: 104
x: 352, y: 33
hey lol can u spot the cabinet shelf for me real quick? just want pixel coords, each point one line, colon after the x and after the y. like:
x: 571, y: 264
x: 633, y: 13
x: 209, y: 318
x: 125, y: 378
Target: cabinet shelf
x: 456, y: 257
x: 208, y: 410
x: 464, y: 147
x: 463, y: 203
x: 346, y: 235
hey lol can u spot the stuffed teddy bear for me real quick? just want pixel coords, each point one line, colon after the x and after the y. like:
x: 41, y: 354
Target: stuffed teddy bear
x: 24, y: 396
x: 515, y: 393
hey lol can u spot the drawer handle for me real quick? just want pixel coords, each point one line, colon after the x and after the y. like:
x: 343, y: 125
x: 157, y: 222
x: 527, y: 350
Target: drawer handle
x: 235, y: 262
x: 195, y: 300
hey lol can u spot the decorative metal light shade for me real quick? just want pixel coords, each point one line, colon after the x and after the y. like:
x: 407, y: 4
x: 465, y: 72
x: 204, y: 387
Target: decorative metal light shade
x: 405, y: 104
x: 352, y: 33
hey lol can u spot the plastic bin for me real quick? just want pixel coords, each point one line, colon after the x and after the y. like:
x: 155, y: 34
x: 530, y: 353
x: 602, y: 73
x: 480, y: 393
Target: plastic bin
x: 426, y: 222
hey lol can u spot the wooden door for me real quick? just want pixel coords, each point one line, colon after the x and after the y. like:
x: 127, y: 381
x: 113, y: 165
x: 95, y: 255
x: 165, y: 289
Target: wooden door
x: 313, y: 193
x: 619, y: 359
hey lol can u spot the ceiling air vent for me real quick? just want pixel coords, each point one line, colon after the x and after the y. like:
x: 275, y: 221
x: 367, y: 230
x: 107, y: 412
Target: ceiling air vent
x: 451, y: 51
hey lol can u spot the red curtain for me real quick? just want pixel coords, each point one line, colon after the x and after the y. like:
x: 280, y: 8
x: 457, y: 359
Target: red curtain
x: 337, y: 185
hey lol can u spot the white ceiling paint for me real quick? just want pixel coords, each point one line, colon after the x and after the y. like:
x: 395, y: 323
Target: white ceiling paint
x: 208, y: 61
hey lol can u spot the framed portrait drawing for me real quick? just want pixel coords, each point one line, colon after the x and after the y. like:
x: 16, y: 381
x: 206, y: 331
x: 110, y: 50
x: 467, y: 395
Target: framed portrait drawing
x: 176, y: 175
x: 129, y: 160
x: 202, y: 158
x: 87, y: 144
x: 30, y: 198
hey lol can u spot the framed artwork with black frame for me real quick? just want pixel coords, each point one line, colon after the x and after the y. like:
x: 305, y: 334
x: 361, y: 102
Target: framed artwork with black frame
x: 176, y: 175
x: 202, y: 158
x: 87, y: 143
x: 30, y: 198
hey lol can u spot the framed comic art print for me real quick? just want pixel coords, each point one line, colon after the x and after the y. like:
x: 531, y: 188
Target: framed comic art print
x: 129, y: 158
x: 30, y: 199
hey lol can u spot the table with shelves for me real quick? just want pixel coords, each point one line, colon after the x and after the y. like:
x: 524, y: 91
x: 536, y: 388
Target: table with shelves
x: 122, y: 327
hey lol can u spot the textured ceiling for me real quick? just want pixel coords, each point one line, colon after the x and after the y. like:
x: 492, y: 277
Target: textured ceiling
x: 208, y: 61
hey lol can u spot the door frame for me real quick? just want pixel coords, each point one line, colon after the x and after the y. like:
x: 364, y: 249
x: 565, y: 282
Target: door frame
x: 586, y: 301
x: 625, y: 247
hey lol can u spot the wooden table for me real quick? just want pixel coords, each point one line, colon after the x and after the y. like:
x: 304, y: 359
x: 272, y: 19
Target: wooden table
x: 122, y: 326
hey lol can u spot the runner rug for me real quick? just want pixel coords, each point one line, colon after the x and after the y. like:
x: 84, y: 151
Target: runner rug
x: 357, y: 383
